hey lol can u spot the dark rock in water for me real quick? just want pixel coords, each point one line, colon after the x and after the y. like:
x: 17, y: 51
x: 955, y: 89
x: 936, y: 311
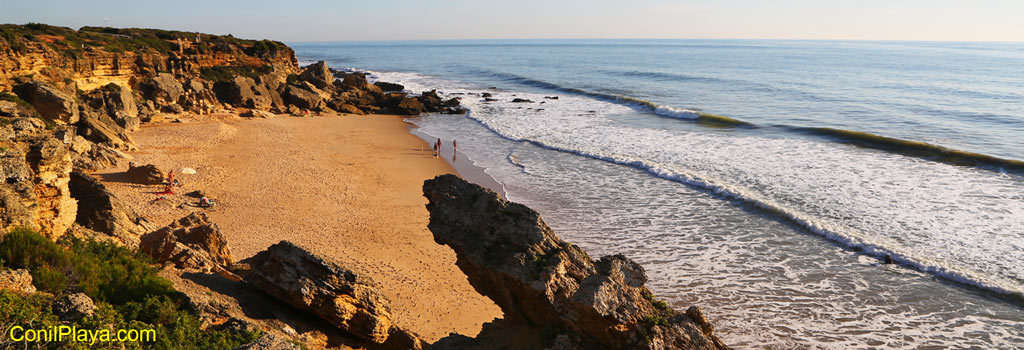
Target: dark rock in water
x: 389, y: 87
x: 147, y: 174
x: 888, y: 259
x: 318, y: 74
x: 404, y: 106
x: 323, y: 287
x: 521, y: 100
x: 551, y: 97
x: 433, y: 103
x: 74, y: 307
x: 50, y: 102
x: 486, y: 94
x: 490, y: 99
x: 99, y: 210
x: 192, y: 242
x: 511, y: 256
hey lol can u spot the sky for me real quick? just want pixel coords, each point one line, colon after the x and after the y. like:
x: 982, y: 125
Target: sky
x: 323, y: 20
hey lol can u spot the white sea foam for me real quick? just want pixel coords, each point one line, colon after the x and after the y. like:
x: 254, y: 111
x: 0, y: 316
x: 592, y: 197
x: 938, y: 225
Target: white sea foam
x: 672, y: 112
x: 962, y: 224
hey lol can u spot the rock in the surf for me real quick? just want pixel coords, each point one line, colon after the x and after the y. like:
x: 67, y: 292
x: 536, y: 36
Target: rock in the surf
x: 511, y: 256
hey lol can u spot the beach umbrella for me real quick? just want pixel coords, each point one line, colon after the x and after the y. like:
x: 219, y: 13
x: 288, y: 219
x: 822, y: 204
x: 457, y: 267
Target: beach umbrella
x: 188, y: 171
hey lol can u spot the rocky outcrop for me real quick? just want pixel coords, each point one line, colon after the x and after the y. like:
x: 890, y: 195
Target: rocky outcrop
x: 101, y: 129
x: 99, y: 210
x: 35, y: 194
x: 323, y: 287
x: 511, y: 256
x: 304, y: 96
x: 162, y: 89
x: 244, y: 92
x: 89, y: 156
x: 318, y: 74
x: 117, y: 102
x: 389, y: 87
x: 74, y: 307
x: 49, y: 101
x: 192, y: 242
x: 432, y: 102
x: 147, y: 174
x: 18, y: 281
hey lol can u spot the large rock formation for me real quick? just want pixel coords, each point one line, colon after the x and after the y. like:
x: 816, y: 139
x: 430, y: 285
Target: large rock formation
x: 51, y: 102
x: 318, y: 74
x: 35, y: 173
x: 538, y: 280
x: 99, y: 210
x: 304, y: 96
x: 101, y: 129
x: 192, y: 242
x: 163, y: 89
x: 117, y: 102
x: 323, y: 287
x: 244, y: 92
x: 147, y: 174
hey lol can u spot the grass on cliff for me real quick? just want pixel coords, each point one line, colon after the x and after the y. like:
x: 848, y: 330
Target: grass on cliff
x: 72, y: 42
x: 126, y: 289
x: 228, y: 73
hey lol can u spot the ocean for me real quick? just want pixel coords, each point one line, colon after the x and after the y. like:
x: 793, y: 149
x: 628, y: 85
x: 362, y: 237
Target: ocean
x: 762, y: 180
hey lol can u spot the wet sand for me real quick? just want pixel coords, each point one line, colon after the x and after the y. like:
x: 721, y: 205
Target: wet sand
x: 345, y: 186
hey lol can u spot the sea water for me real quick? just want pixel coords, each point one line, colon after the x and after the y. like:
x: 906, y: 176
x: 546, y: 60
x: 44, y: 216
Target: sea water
x: 775, y: 230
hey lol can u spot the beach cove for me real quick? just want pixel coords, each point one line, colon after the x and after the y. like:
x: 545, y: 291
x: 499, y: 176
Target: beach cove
x: 346, y: 186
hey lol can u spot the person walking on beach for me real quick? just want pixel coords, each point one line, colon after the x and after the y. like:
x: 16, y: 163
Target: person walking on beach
x: 435, y: 150
x: 455, y: 150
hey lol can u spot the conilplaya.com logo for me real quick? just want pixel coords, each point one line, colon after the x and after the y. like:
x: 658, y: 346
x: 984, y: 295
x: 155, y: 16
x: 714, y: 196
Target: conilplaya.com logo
x: 73, y: 334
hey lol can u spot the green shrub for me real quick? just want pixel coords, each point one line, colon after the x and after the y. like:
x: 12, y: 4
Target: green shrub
x: 48, y: 262
x: 126, y: 289
x: 228, y: 73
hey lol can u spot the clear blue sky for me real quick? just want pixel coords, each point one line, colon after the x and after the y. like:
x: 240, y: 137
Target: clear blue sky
x: 322, y: 20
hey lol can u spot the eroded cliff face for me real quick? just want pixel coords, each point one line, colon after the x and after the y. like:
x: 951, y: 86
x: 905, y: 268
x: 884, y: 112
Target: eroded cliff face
x: 89, y: 58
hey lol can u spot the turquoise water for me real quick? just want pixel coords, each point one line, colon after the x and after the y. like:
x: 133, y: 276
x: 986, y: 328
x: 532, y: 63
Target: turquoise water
x: 773, y: 226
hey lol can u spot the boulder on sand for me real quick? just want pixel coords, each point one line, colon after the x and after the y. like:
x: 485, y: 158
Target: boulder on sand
x: 303, y: 97
x: 99, y: 210
x: 311, y: 282
x: 192, y: 242
x: 147, y: 174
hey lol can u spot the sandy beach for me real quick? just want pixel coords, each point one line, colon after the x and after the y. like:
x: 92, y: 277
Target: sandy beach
x: 345, y: 186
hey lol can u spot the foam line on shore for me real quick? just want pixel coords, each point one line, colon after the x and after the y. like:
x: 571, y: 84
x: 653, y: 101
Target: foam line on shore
x: 838, y: 235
